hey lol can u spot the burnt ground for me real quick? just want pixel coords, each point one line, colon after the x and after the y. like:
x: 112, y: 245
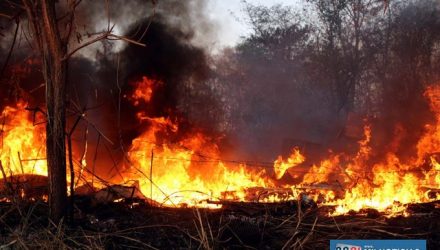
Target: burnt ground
x: 137, y: 225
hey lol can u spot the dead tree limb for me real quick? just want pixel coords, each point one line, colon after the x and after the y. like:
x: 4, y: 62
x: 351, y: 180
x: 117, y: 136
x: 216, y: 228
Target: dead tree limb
x: 72, y: 172
x: 11, y: 49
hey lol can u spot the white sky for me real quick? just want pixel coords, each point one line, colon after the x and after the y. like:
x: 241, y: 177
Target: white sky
x: 231, y: 18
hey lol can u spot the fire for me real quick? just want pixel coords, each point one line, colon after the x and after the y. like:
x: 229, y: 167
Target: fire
x: 22, y: 143
x: 185, y: 172
x: 281, y: 166
x: 430, y: 141
x: 143, y: 91
x: 188, y: 171
x: 388, y: 189
x: 387, y: 185
x: 433, y: 175
x: 176, y: 168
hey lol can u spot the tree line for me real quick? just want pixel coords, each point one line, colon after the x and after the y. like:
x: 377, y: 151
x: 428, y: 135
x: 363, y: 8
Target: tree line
x: 303, y: 73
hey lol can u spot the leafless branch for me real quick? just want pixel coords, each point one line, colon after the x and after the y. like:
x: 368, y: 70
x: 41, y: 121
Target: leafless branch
x: 108, y: 34
x: 92, y: 41
x: 149, y: 23
x: 8, y: 57
x: 75, y: 4
x: 71, y: 14
x: 30, y: 11
x: 105, y: 35
x: 116, y: 37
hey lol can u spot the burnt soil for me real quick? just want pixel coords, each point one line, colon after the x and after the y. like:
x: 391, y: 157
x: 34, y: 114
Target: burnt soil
x: 135, y: 224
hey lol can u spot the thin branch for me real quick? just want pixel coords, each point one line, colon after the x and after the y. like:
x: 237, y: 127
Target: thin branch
x: 8, y: 57
x: 30, y: 11
x: 68, y: 13
x: 71, y: 15
x: 125, y: 39
x: 95, y: 157
x: 107, y: 9
x: 108, y: 35
x: 105, y: 35
x: 149, y: 23
x: 90, y: 42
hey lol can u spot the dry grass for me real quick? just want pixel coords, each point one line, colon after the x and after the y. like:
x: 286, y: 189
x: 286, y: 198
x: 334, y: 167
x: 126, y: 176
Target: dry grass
x: 24, y: 225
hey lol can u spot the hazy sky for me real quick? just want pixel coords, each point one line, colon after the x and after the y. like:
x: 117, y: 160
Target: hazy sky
x: 227, y: 18
x: 231, y: 18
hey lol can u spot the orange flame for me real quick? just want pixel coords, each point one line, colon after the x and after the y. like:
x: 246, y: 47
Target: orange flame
x: 280, y: 166
x: 388, y: 185
x: 177, y: 170
x: 23, y: 144
x: 186, y: 172
x: 144, y: 90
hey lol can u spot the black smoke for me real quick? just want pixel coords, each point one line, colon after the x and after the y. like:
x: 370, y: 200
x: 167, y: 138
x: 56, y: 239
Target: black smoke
x: 101, y: 77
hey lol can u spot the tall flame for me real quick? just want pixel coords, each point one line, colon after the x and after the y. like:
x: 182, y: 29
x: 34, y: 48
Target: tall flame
x: 22, y: 143
x: 185, y: 169
x: 387, y: 185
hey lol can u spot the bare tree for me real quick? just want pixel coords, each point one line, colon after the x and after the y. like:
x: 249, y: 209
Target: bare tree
x: 51, y: 25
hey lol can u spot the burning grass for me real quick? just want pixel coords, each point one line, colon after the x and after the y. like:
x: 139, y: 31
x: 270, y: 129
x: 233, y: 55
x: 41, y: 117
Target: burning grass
x: 181, y: 169
x: 135, y: 224
x: 177, y: 178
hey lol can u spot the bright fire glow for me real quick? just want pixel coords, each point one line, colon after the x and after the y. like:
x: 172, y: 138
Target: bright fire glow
x: 185, y: 168
x: 22, y: 148
x: 143, y: 91
x: 187, y: 171
x: 280, y: 166
x: 388, y: 185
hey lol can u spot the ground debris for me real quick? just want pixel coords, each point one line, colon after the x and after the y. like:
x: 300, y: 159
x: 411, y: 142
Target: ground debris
x: 137, y: 224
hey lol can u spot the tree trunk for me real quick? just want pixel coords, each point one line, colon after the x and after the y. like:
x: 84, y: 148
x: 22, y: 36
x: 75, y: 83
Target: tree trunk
x: 55, y: 70
x: 55, y: 139
x: 43, y: 16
